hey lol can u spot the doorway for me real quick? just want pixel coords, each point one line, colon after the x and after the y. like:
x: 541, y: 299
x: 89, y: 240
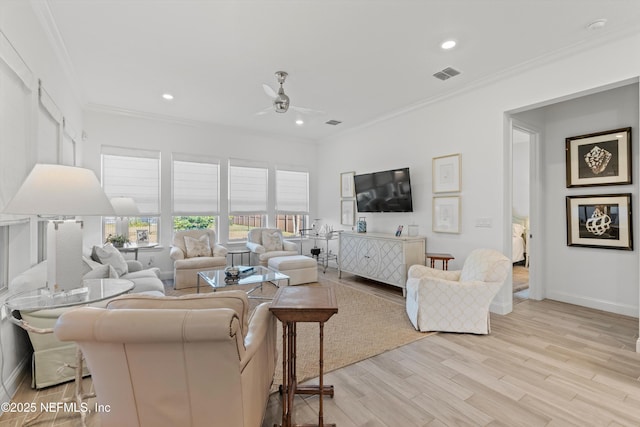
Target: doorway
x: 521, y: 147
x: 525, y: 214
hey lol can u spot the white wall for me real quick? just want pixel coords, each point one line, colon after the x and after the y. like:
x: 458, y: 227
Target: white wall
x: 473, y: 124
x: 221, y: 142
x: 23, y: 30
x: 600, y: 278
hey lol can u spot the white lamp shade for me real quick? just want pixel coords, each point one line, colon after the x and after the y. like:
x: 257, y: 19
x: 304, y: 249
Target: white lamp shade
x: 60, y: 190
x: 125, y: 206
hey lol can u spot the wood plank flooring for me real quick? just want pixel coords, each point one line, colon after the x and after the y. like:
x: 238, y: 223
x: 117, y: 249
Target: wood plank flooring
x: 545, y: 364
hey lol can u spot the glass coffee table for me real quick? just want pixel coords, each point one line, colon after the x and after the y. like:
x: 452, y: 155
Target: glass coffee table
x: 217, y: 279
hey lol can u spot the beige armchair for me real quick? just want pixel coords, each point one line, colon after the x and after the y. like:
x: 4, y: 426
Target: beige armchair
x: 194, y: 251
x: 456, y: 301
x: 265, y: 243
x: 170, y: 361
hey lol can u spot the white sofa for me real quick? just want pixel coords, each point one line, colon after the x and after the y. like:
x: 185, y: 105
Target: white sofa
x: 51, y: 357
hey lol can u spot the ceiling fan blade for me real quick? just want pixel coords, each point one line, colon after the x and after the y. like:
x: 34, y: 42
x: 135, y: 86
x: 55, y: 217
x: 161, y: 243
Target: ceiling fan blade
x: 304, y: 110
x: 269, y: 91
x: 265, y: 111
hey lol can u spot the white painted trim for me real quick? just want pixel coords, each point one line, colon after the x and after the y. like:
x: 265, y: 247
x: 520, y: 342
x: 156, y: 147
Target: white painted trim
x: 15, y: 379
x: 42, y: 11
x: 496, y: 77
x: 598, y: 304
x: 100, y: 108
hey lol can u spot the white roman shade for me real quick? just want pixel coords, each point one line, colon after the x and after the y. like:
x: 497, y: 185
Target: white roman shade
x: 292, y: 191
x: 248, y: 184
x: 135, y: 174
x: 196, y: 186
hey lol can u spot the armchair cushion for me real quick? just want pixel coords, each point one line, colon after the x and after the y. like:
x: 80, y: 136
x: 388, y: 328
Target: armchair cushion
x: 197, y: 247
x: 272, y: 240
x: 266, y: 243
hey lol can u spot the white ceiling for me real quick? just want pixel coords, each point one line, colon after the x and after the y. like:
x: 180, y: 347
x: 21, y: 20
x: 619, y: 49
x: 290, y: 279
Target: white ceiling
x: 357, y: 60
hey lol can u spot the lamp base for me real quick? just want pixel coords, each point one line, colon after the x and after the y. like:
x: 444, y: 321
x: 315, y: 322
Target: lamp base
x: 64, y: 255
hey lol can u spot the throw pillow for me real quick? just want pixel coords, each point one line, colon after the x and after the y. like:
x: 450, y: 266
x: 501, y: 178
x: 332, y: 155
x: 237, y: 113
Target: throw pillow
x: 197, y: 247
x: 108, y: 254
x: 100, y: 272
x: 272, y: 240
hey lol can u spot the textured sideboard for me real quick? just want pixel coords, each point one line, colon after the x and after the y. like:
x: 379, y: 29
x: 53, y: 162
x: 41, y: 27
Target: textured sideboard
x: 382, y: 257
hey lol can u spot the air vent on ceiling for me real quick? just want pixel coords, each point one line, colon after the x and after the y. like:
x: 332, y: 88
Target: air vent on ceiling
x: 333, y: 122
x: 447, y: 73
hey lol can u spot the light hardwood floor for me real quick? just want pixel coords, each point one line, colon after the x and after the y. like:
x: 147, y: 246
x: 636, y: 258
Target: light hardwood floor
x: 545, y: 364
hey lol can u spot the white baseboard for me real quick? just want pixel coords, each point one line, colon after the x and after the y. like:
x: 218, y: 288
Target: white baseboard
x: 501, y: 308
x: 598, y: 304
x: 13, y: 382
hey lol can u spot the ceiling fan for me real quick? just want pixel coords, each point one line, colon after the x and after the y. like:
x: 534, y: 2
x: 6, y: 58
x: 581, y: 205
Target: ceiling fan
x: 281, y: 102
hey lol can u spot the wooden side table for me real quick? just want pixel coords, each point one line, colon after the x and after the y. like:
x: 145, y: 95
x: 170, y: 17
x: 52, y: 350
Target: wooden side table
x: 439, y: 257
x: 293, y: 304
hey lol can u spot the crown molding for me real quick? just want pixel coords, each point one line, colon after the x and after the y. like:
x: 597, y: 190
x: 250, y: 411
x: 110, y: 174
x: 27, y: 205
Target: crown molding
x: 107, y: 109
x: 515, y: 70
x: 45, y: 17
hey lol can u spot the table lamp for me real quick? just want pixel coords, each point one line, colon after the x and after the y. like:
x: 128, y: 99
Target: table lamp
x: 124, y: 207
x: 60, y: 191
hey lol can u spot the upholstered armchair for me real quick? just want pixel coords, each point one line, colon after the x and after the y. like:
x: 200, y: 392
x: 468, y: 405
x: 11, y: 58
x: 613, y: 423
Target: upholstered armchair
x: 456, y: 301
x: 193, y: 251
x: 171, y: 361
x: 265, y: 243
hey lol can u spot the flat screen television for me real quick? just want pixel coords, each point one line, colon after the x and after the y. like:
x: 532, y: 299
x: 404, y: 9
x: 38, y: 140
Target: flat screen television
x: 386, y: 191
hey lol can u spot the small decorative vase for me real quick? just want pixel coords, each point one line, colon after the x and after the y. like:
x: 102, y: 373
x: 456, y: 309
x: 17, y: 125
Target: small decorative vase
x: 362, y: 225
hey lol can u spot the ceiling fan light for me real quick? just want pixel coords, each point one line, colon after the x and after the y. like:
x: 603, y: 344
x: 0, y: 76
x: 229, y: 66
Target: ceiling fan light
x: 281, y: 103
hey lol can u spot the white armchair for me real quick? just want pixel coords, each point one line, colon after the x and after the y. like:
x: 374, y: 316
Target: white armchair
x: 456, y: 301
x: 265, y: 243
x: 198, y: 360
x: 193, y: 251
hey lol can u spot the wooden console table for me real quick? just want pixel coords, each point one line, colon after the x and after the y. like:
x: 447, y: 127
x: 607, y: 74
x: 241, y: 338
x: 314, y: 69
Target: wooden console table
x: 293, y: 304
x: 433, y: 257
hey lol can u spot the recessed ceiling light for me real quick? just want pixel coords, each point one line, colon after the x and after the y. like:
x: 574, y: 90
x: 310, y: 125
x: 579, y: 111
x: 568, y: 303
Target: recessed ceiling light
x: 449, y: 44
x: 597, y: 24
x: 299, y: 122
x: 167, y: 96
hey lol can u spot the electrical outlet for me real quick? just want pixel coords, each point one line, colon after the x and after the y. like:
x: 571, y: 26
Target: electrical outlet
x: 151, y: 261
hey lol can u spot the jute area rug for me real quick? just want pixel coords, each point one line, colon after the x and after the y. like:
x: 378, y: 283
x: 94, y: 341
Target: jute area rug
x: 365, y: 325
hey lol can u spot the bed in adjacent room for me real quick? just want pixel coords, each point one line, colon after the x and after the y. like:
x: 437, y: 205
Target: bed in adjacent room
x: 520, y: 232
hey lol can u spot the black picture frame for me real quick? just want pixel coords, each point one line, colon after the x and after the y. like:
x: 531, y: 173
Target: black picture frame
x: 600, y: 221
x: 602, y: 158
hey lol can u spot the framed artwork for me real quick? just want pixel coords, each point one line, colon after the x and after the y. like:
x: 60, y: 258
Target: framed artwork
x: 346, y: 184
x: 602, y: 158
x: 446, y: 173
x: 446, y: 214
x: 348, y: 212
x: 601, y: 221
x: 142, y: 236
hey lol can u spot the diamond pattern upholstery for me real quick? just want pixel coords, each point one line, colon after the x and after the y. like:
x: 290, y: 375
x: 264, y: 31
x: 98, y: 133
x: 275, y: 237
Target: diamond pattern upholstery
x: 456, y: 301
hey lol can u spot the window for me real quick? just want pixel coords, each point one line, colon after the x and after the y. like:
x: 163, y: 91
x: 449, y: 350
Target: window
x: 196, y: 192
x: 248, y: 189
x: 292, y: 201
x: 136, y: 174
